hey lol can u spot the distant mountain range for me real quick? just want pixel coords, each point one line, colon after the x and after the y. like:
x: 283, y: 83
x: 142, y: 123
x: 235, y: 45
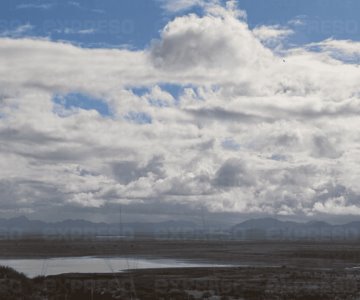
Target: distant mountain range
x: 274, y: 229
x: 254, y: 229
x: 20, y: 226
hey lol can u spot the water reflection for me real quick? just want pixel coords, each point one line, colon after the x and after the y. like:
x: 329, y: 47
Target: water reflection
x: 56, y: 266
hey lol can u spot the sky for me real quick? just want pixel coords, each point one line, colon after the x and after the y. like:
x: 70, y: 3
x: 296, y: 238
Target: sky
x: 176, y: 109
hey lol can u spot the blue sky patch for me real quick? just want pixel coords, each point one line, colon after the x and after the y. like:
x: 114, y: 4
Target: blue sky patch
x: 90, y: 23
x: 278, y: 157
x: 82, y: 101
x: 112, y: 23
x: 140, y: 91
x: 173, y: 89
x: 158, y: 103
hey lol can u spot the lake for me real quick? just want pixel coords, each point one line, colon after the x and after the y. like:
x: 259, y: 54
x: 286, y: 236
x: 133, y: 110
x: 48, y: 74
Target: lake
x: 56, y: 266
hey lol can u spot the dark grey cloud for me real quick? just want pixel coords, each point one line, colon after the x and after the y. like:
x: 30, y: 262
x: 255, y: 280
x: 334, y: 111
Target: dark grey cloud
x: 234, y: 173
x: 323, y: 148
x: 61, y: 154
x: 329, y: 109
x: 19, y: 193
x: 218, y: 114
x: 27, y: 135
x: 204, y: 146
x: 129, y: 171
x: 333, y: 190
x: 287, y: 140
x: 54, y: 147
x: 191, y: 186
x: 189, y: 49
x: 297, y: 176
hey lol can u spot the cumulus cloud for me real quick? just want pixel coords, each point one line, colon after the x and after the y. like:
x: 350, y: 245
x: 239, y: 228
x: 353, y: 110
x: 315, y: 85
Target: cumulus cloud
x: 233, y: 173
x: 247, y: 131
x: 128, y: 171
x: 217, y: 42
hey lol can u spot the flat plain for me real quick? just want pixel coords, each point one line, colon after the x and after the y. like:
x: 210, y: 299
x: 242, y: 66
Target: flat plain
x: 257, y: 269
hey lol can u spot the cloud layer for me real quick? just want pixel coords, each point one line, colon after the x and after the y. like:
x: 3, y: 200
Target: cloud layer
x: 249, y: 130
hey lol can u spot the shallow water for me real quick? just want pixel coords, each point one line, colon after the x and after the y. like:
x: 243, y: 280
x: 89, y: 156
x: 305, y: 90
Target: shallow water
x: 56, y: 266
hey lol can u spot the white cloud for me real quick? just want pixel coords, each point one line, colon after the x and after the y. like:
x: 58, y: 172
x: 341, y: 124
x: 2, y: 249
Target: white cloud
x: 294, y: 120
